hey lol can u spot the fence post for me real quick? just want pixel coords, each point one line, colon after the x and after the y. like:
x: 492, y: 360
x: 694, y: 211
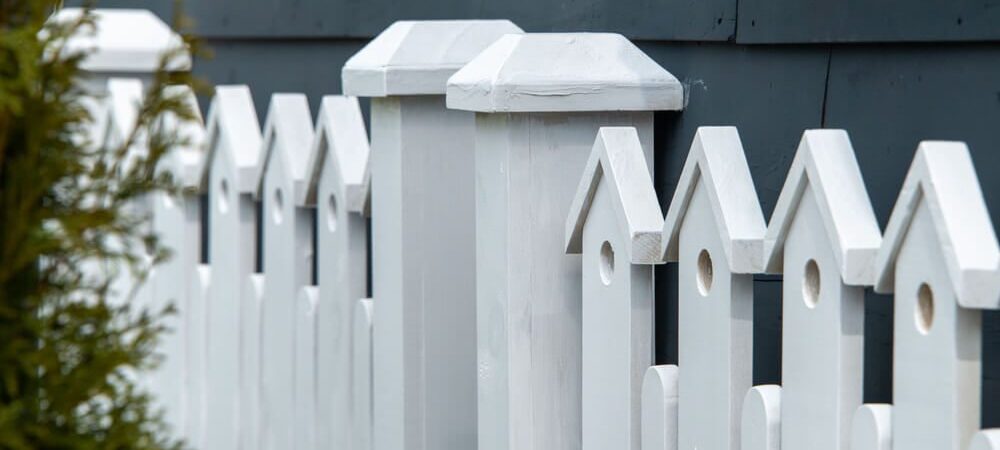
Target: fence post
x: 539, y: 101
x: 286, y: 251
x: 823, y: 237
x: 361, y: 412
x: 714, y: 229
x: 337, y: 177
x: 871, y: 428
x: 176, y: 222
x: 614, y: 222
x: 423, y: 232
x: 940, y: 257
x: 228, y: 180
x: 659, y: 408
x: 760, y: 419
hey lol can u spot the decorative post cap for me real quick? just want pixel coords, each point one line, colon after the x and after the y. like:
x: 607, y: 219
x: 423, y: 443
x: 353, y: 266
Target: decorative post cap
x: 825, y: 161
x: 124, y: 40
x: 617, y: 158
x: 943, y: 177
x: 540, y: 72
x: 417, y: 57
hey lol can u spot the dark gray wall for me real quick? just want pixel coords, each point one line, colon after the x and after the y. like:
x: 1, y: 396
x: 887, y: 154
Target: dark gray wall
x: 890, y: 72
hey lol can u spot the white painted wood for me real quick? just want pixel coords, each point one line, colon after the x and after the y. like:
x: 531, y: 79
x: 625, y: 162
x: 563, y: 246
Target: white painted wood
x: 251, y: 308
x: 714, y: 229
x: 528, y: 297
x: 361, y: 401
x: 659, y: 408
x: 227, y: 178
x: 195, y: 423
x: 614, y: 222
x: 584, y: 72
x: 338, y: 186
x: 423, y: 233
x: 823, y: 236
x: 287, y: 260
x: 986, y: 440
x: 417, y: 57
x: 939, y: 257
x: 871, y: 428
x: 761, y: 420
x: 304, y: 420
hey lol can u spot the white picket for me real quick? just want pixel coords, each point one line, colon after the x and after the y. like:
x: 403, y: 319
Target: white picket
x: 823, y: 236
x: 338, y: 185
x: 715, y: 230
x: 534, y: 132
x: 227, y: 178
x: 251, y: 310
x: 760, y: 421
x: 286, y: 250
x: 986, y: 440
x: 659, y: 408
x: 195, y: 382
x: 305, y: 380
x: 871, y: 428
x: 423, y: 232
x: 940, y: 257
x: 361, y: 358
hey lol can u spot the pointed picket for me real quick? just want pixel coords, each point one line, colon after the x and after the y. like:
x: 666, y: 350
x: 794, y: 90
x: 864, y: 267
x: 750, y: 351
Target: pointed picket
x: 659, y: 408
x: 871, y: 428
x: 361, y: 380
x: 761, y: 423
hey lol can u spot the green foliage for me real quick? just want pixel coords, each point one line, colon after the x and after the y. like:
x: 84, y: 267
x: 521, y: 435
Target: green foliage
x: 67, y: 354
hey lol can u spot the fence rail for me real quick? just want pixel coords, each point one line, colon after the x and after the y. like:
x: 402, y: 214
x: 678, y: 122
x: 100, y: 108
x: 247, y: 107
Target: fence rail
x: 514, y: 229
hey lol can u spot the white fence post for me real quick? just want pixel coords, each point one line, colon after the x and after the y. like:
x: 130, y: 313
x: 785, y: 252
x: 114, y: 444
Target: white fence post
x: 423, y: 232
x: 714, y: 229
x: 287, y: 259
x: 361, y: 411
x: 659, y: 408
x: 871, y: 428
x: 614, y: 221
x: 228, y: 179
x: 940, y: 257
x: 760, y: 420
x: 535, y: 127
x: 823, y: 237
x: 337, y: 175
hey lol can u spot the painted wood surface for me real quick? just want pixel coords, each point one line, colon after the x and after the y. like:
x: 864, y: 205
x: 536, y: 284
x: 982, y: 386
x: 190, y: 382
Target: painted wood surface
x: 233, y: 143
x: 361, y: 356
x: 659, y: 408
x: 528, y: 290
x: 614, y: 221
x: 939, y: 257
x: 195, y: 379
x: 305, y: 380
x: 714, y: 229
x: 761, y: 419
x: 251, y: 310
x: 871, y: 427
x: 986, y: 440
x: 823, y: 237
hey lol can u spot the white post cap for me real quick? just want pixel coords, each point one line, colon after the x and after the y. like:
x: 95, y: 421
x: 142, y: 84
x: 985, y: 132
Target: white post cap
x: 539, y: 72
x: 417, y: 57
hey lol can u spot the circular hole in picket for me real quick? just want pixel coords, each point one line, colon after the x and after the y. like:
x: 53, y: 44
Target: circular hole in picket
x: 924, y: 313
x: 223, y: 198
x: 607, y: 263
x: 811, y: 284
x: 279, y: 206
x: 704, y: 273
x: 331, y: 213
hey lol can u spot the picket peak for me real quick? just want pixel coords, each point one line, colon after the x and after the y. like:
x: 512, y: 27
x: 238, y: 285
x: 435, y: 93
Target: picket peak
x: 717, y: 158
x: 288, y: 131
x: 417, y: 57
x: 825, y: 161
x: 537, y: 72
x: 340, y: 134
x: 942, y: 176
x: 618, y: 159
x: 124, y: 40
x: 232, y: 121
x: 185, y: 161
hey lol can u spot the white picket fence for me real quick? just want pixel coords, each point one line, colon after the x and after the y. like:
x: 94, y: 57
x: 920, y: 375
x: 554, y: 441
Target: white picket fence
x: 514, y: 229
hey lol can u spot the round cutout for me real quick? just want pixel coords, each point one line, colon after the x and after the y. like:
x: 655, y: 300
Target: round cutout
x: 811, y: 284
x: 223, y: 198
x: 704, y: 273
x: 607, y: 263
x: 279, y: 206
x: 331, y: 213
x: 924, y: 313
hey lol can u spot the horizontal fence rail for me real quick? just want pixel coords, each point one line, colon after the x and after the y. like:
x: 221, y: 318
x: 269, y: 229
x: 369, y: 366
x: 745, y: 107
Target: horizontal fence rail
x: 514, y: 231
